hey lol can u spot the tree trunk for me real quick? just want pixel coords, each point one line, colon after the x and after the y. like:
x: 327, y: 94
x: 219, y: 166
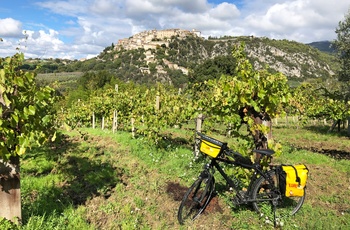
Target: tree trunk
x: 10, y: 193
x: 260, y: 139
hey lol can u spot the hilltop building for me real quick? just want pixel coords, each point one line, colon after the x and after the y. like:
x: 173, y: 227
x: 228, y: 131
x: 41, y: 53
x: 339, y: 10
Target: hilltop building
x: 150, y: 39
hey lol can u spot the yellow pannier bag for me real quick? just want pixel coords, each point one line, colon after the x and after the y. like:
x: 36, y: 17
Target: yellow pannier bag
x: 292, y: 179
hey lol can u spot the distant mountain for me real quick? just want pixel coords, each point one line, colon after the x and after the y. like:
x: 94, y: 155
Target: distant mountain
x: 324, y: 46
x: 177, y: 57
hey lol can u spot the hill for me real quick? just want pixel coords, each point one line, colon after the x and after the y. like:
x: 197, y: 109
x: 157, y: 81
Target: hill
x: 178, y: 57
x: 324, y: 46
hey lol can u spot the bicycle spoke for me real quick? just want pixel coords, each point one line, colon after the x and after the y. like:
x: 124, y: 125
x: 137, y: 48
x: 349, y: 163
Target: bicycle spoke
x: 270, y: 204
x: 195, y: 200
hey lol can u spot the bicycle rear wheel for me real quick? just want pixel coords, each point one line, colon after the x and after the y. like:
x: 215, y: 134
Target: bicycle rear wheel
x: 196, y: 199
x: 263, y: 197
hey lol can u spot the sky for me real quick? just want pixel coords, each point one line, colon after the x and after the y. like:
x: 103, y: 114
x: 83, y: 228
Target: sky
x: 75, y: 29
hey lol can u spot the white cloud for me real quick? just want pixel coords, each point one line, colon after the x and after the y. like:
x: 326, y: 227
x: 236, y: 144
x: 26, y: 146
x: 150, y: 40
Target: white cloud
x: 300, y: 20
x: 7, y: 47
x: 194, y: 6
x: 91, y: 25
x: 69, y: 8
x: 105, y: 7
x: 10, y: 27
x: 224, y: 11
x: 41, y: 43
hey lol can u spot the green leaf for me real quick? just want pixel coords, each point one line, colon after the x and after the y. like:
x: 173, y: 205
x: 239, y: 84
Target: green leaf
x: 226, y: 88
x: 2, y: 76
x: 243, y: 100
x: 284, y: 100
x: 19, y: 81
x: 31, y: 110
x: 6, y: 100
x: 2, y: 88
x: 261, y: 94
x: 14, y: 116
x: 53, y: 138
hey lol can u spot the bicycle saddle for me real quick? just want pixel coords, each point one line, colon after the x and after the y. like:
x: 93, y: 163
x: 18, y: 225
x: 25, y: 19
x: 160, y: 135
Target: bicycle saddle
x: 266, y: 152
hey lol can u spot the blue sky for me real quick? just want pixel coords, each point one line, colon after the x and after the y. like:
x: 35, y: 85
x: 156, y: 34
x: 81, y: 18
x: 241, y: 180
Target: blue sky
x: 77, y: 29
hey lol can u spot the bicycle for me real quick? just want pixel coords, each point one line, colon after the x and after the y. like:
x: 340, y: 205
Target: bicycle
x: 263, y: 192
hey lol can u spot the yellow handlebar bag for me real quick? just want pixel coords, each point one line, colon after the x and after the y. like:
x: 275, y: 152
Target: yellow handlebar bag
x: 292, y: 179
x: 211, y: 146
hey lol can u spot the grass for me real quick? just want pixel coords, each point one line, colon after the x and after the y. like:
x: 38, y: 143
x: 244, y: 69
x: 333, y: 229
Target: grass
x: 317, y: 137
x: 102, y: 180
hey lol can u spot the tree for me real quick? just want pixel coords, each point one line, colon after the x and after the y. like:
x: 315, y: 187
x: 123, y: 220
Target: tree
x: 342, y: 45
x: 250, y: 96
x: 27, y: 117
x: 214, y: 68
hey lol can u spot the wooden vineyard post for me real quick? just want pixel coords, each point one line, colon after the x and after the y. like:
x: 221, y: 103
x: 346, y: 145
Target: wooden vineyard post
x: 199, y: 122
x: 93, y: 120
x: 115, y: 114
x: 103, y: 123
x: 115, y: 121
x: 10, y: 191
x: 268, y: 123
x: 132, y: 127
x: 157, y: 102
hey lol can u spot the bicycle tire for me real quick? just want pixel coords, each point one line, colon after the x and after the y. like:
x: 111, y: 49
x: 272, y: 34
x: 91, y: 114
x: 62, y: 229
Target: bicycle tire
x: 261, y: 194
x: 196, y: 199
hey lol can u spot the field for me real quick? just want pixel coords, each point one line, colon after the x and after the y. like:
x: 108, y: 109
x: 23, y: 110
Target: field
x: 96, y: 179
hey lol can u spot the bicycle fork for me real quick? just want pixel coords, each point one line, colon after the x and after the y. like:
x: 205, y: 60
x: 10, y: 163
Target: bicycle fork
x: 207, y: 179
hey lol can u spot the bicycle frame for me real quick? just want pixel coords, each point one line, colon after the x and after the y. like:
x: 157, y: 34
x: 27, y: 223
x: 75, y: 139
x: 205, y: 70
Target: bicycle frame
x: 234, y: 182
x: 263, y: 186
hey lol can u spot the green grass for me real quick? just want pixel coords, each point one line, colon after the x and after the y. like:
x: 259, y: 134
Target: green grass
x: 313, y: 136
x: 294, y: 156
x: 112, y: 181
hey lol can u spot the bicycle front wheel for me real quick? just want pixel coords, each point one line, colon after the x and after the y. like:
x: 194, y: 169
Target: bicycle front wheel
x: 196, y: 199
x: 264, y: 197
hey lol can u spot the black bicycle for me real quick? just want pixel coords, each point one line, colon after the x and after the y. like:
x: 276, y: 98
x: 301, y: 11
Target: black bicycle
x: 263, y: 192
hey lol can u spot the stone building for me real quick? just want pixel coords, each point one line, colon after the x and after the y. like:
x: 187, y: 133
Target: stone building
x: 151, y: 38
